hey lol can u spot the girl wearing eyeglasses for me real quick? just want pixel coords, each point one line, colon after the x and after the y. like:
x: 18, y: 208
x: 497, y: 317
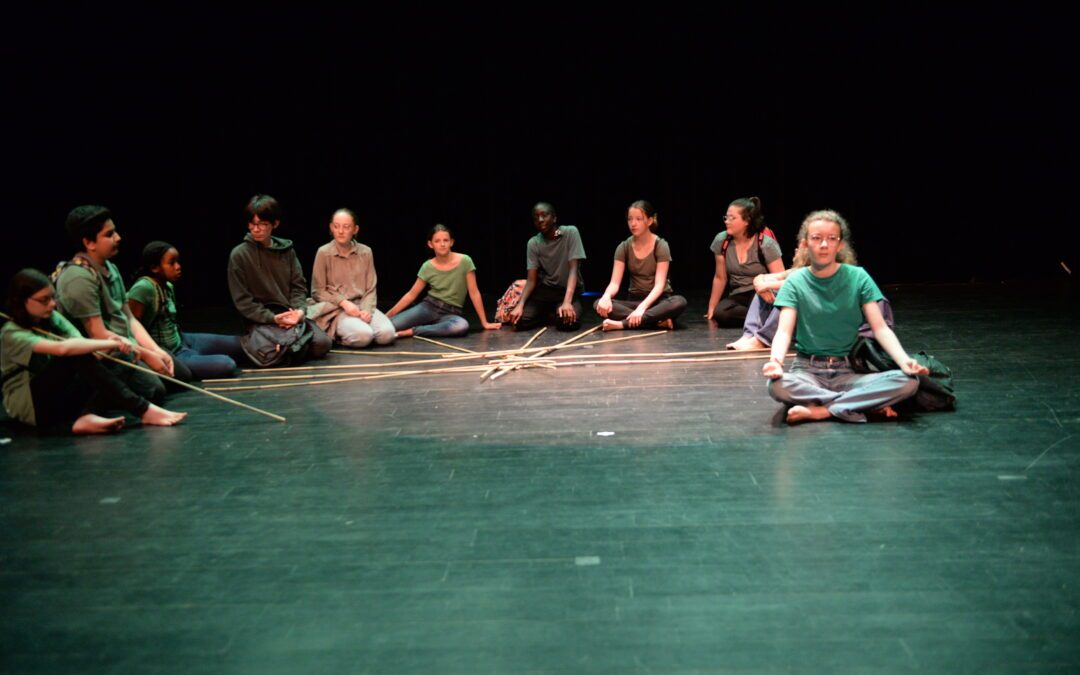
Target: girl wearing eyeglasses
x: 55, y: 383
x: 822, y: 305
x: 743, y: 251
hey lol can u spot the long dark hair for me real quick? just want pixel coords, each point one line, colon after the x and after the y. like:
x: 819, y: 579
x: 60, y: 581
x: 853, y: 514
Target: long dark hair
x: 25, y: 283
x: 751, y: 213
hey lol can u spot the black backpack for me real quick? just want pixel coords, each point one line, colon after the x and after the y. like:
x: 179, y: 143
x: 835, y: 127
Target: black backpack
x: 936, y: 390
x: 270, y: 345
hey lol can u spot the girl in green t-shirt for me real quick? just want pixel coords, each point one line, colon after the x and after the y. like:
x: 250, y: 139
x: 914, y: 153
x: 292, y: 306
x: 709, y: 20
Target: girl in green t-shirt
x: 199, y: 356
x: 55, y: 383
x: 448, y: 277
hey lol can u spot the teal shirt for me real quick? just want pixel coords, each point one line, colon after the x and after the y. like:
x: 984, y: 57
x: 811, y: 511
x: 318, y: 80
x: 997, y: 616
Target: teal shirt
x: 19, y: 364
x: 450, y: 286
x: 159, y: 311
x: 829, y: 309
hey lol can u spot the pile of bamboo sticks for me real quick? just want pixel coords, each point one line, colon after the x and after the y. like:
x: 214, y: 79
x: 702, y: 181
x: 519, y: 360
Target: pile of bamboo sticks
x: 495, y: 363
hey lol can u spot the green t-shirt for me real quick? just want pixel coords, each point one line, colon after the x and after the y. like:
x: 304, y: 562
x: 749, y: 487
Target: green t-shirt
x: 159, y: 311
x: 82, y: 293
x: 19, y: 364
x: 829, y: 309
x: 450, y: 286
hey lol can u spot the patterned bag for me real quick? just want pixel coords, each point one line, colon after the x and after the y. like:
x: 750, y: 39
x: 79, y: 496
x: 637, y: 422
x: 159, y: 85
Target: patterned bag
x: 509, y: 301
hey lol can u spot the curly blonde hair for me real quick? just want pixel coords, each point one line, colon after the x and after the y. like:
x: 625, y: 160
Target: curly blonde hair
x: 844, y: 255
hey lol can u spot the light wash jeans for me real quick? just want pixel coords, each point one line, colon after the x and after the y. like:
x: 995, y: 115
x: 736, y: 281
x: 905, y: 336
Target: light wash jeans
x: 830, y: 382
x: 434, y: 318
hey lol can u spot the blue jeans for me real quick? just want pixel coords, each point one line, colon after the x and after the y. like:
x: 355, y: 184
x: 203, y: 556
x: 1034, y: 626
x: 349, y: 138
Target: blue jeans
x: 830, y: 382
x: 433, y: 318
x: 207, y: 356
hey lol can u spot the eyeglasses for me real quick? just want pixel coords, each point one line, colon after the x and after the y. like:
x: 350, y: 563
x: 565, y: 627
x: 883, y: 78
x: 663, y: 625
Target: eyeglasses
x: 730, y: 218
x: 51, y: 297
x: 261, y: 223
x: 816, y: 239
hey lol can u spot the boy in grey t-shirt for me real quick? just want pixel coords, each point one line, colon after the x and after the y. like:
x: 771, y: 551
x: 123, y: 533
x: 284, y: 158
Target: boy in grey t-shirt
x: 90, y: 293
x: 554, y: 285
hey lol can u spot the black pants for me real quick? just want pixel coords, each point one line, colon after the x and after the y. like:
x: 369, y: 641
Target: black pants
x: 544, y: 302
x: 730, y: 312
x: 666, y: 307
x: 73, y: 386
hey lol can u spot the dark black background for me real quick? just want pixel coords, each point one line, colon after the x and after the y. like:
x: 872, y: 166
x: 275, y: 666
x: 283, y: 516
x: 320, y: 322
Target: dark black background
x: 945, y: 134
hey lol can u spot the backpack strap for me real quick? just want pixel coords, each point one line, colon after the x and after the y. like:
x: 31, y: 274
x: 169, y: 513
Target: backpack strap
x: 760, y: 240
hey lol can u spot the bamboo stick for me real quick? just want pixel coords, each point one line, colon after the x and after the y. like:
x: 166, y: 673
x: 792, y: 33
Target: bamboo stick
x: 443, y: 344
x: 537, y: 362
x: 503, y: 352
x: 577, y: 337
x: 181, y: 383
x: 521, y: 350
x: 381, y: 352
x: 337, y: 380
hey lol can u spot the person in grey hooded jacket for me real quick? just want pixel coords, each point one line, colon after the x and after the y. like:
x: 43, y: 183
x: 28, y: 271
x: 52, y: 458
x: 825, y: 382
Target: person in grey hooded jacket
x: 265, y: 279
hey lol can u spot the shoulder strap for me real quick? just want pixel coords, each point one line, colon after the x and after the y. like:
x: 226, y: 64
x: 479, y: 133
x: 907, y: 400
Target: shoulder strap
x: 78, y: 262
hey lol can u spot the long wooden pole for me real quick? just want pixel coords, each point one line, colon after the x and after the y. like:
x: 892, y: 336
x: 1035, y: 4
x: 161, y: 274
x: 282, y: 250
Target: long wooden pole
x: 381, y: 352
x: 357, y: 378
x: 167, y: 378
x: 548, y: 350
x: 443, y: 344
x: 522, y: 350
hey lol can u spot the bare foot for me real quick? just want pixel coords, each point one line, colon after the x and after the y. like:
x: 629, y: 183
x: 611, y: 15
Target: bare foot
x: 666, y: 324
x: 802, y: 413
x: 746, y: 342
x: 404, y: 333
x: 161, y: 417
x: 611, y: 324
x: 95, y: 424
x: 886, y: 412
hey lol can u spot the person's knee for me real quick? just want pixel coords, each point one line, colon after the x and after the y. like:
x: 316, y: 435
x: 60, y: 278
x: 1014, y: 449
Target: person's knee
x: 458, y: 327
x: 905, y: 384
x: 153, y: 389
x: 729, y: 315
x: 780, y: 391
x: 358, y: 338
x: 678, y: 303
x: 320, y: 344
x: 385, y: 337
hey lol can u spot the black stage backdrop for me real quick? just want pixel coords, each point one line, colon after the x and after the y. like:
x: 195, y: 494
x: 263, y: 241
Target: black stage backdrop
x: 947, y: 135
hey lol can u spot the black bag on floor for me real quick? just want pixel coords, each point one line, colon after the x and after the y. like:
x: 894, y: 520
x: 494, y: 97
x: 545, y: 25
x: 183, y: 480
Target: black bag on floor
x: 270, y: 345
x: 936, y: 391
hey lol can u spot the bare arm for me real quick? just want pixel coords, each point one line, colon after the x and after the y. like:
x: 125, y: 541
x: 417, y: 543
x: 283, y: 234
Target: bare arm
x: 80, y: 346
x: 154, y: 356
x: 530, y: 286
x: 478, y: 302
x: 137, y: 308
x: 659, y: 284
x: 149, y: 352
x: 603, y: 306
x: 784, y: 330
x: 409, y: 297
x: 95, y: 328
x: 888, y: 340
x: 719, y: 282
